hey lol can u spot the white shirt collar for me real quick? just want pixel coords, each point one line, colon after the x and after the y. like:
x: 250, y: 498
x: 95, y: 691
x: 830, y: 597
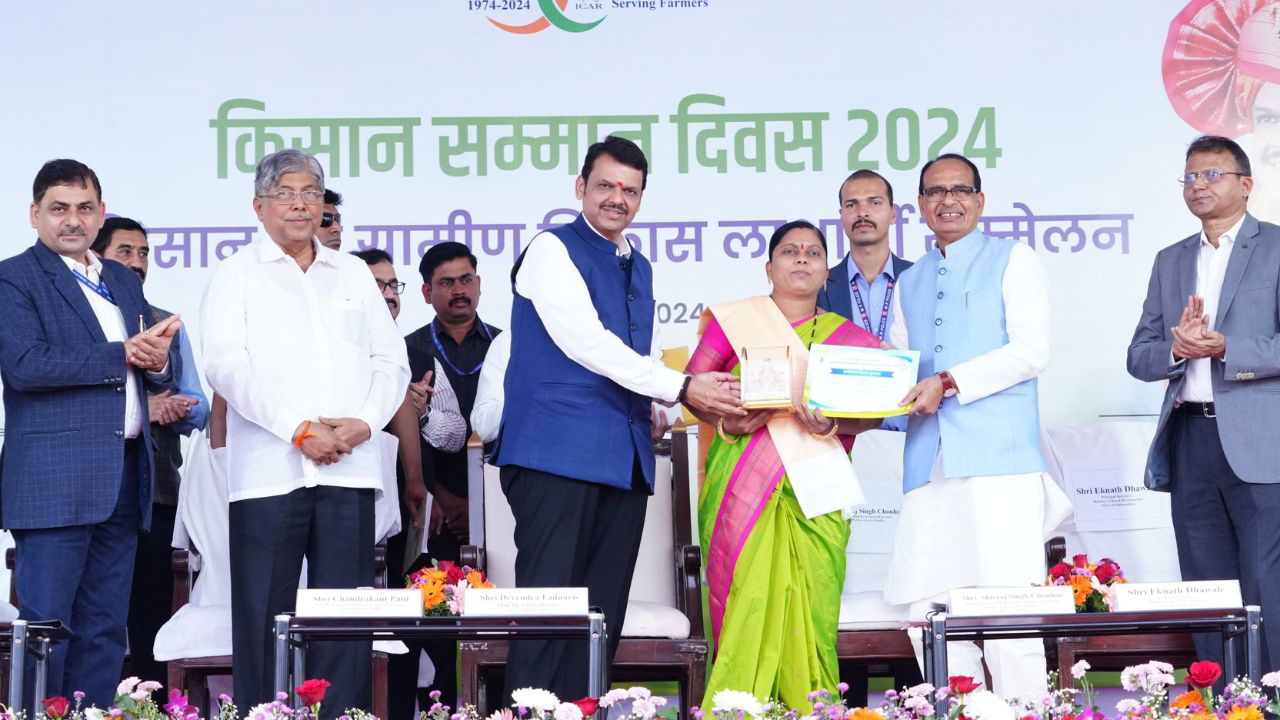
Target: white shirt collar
x: 270, y: 251
x: 624, y: 247
x: 1228, y: 238
x: 94, y: 267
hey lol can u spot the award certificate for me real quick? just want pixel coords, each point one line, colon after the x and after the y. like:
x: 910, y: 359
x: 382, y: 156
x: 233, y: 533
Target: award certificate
x: 857, y: 382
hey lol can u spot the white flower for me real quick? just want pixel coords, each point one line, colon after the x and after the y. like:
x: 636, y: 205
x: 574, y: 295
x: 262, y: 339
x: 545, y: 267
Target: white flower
x: 658, y: 700
x: 921, y: 689
x: 94, y: 713
x: 644, y: 707
x: 1128, y: 706
x: 613, y: 697
x: 126, y: 685
x: 732, y: 700
x: 535, y: 699
x: 139, y: 695
x: 986, y: 705
x: 1078, y: 670
x: 638, y: 692
x: 149, y: 685
x: 568, y: 711
x: 1271, y: 679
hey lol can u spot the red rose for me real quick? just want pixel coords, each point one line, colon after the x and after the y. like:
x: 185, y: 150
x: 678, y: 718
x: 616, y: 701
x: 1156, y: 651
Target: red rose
x: 1204, y: 673
x: 1060, y: 571
x: 312, y: 691
x: 588, y: 706
x: 56, y: 707
x: 1105, y: 573
x: 1080, y: 561
x: 962, y: 684
x: 452, y: 572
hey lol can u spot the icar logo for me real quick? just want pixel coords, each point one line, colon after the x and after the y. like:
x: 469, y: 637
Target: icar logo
x: 552, y: 14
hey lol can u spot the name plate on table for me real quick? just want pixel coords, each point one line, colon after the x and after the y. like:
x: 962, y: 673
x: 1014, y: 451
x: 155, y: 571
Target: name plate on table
x: 1190, y: 595
x: 360, y: 602
x: 984, y: 602
x: 524, y: 602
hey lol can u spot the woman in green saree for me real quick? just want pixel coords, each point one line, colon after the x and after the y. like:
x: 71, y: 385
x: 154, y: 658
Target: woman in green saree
x: 774, y: 575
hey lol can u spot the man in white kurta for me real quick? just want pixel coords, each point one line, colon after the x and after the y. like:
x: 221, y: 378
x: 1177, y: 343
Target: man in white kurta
x: 310, y: 362
x: 977, y: 500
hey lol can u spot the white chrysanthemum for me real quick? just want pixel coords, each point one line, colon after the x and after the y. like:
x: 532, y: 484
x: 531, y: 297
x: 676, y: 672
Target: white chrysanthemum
x: 149, y: 686
x: 94, y: 713
x: 639, y: 692
x: 127, y: 685
x: 645, y: 708
x: 535, y: 699
x: 921, y: 689
x: 613, y: 697
x: 568, y: 711
x: 1079, y: 669
x: 1271, y: 679
x: 1128, y: 706
x: 986, y: 705
x: 734, y: 700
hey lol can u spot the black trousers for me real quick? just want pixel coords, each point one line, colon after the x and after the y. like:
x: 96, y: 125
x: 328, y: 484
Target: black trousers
x: 1226, y: 529
x: 572, y: 534
x: 333, y: 528
x: 151, y: 604
x: 402, y: 670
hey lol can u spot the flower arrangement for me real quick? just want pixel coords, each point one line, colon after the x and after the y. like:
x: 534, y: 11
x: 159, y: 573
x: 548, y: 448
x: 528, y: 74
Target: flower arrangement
x: 1090, y: 582
x: 444, y: 585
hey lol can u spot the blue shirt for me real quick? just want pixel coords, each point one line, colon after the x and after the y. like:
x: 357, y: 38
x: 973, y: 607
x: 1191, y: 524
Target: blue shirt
x: 189, y: 385
x: 873, y: 297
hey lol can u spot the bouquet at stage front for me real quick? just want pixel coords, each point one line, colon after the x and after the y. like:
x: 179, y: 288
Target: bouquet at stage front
x: 444, y: 587
x: 1090, y: 582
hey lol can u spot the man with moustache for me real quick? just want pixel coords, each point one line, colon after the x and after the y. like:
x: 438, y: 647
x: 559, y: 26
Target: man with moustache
x: 861, y: 286
x: 330, y: 232
x: 451, y: 349
x: 575, y: 446
x: 76, y: 353
x: 173, y: 414
x: 977, y: 500
x: 300, y: 345
x: 1209, y: 329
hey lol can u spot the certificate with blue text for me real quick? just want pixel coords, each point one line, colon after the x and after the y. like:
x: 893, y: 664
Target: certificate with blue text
x: 857, y: 382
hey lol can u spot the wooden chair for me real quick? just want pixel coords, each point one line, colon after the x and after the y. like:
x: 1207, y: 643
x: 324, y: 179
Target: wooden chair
x: 668, y: 553
x: 192, y: 674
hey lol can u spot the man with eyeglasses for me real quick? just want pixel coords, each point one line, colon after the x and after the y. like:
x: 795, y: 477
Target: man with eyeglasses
x: 300, y: 345
x: 330, y: 232
x: 1210, y: 328
x: 455, y: 341
x: 976, y: 498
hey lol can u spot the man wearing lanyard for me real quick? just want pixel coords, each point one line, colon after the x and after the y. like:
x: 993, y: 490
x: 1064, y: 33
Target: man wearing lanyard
x: 457, y: 339
x: 77, y: 356
x: 860, y: 287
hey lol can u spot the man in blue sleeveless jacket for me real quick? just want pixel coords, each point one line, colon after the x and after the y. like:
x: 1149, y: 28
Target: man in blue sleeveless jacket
x: 575, y: 447
x: 977, y: 309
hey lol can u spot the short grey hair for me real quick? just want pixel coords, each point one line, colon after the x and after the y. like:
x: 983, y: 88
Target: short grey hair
x: 278, y: 164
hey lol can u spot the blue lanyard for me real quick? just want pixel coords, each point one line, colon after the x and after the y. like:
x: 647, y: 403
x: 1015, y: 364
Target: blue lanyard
x: 98, y: 287
x: 862, y: 308
x: 441, y: 354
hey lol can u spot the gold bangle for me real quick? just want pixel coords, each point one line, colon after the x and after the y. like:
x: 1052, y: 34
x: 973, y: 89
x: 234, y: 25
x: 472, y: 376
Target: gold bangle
x: 835, y: 427
x: 725, y: 436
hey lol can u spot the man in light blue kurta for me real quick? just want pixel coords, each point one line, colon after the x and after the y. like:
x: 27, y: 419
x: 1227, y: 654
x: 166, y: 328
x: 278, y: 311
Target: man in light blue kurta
x: 977, y: 500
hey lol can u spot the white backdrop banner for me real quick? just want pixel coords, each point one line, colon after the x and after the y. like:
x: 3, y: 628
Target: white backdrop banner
x: 467, y: 120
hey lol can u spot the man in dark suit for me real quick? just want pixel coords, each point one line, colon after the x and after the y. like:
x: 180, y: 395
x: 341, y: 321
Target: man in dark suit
x: 1210, y: 326
x: 860, y: 287
x: 76, y: 359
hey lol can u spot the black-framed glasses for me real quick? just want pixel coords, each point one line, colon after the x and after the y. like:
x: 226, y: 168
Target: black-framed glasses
x: 394, y: 286
x: 285, y: 197
x: 328, y: 219
x: 1210, y: 176
x: 959, y: 192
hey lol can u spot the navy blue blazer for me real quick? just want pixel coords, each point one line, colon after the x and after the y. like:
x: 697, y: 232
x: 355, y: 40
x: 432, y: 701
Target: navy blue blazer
x: 835, y: 296
x: 64, y: 391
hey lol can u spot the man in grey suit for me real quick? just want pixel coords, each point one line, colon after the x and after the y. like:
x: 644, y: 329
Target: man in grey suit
x: 1211, y: 327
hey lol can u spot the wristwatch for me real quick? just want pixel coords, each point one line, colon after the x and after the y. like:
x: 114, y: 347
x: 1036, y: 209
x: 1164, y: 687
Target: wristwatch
x: 949, y: 388
x: 684, y: 389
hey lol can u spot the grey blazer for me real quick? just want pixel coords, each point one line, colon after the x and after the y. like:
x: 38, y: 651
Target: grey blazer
x: 1246, y: 385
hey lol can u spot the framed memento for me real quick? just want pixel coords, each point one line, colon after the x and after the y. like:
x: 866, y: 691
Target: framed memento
x: 766, y: 376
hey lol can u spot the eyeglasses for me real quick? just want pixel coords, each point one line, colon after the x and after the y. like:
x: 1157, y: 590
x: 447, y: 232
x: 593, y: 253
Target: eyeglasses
x: 1210, y: 176
x: 285, y: 197
x: 959, y: 192
x: 394, y: 286
x: 328, y: 219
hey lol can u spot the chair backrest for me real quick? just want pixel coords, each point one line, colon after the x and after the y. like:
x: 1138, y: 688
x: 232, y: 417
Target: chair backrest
x: 1101, y: 467
x: 666, y: 523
